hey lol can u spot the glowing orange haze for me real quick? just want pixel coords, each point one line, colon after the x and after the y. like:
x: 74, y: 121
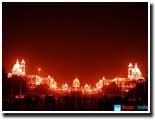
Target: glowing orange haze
x: 82, y: 40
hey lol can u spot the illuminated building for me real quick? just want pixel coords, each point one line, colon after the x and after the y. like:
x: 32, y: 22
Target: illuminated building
x: 9, y: 75
x: 76, y: 83
x: 87, y: 88
x: 65, y: 87
x: 38, y: 80
x: 134, y: 73
x: 22, y: 67
x: 52, y: 82
x: 99, y: 84
x: 18, y: 69
x: 118, y: 79
x: 130, y: 67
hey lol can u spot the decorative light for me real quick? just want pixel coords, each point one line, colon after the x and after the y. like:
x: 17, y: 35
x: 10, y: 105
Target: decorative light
x: 99, y: 84
x: 18, y: 68
x: 9, y: 75
x: 49, y: 77
x: 38, y: 80
x: 76, y: 83
x: 103, y: 78
x: 39, y: 69
x: 107, y: 83
x: 22, y: 62
x: 134, y: 73
x: 87, y: 88
x: 65, y: 87
x: 52, y: 82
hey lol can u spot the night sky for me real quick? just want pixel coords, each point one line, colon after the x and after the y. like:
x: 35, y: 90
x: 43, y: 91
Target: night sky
x: 68, y: 40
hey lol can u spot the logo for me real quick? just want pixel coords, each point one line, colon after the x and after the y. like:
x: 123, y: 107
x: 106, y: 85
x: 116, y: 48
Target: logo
x: 128, y: 107
x: 142, y: 107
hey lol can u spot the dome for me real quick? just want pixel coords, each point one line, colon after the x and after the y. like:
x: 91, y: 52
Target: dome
x: 136, y: 70
x: 16, y: 67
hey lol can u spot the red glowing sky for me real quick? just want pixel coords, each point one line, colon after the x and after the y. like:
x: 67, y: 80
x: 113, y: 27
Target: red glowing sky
x: 68, y: 40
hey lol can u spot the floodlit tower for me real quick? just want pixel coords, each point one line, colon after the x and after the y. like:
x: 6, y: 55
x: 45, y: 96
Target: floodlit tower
x: 136, y: 72
x: 16, y: 70
x: 23, y: 67
x: 17, y: 61
x: 130, y: 68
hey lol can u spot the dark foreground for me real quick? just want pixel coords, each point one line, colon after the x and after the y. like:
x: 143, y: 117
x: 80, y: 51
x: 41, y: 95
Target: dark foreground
x: 73, y: 103
x: 41, y: 100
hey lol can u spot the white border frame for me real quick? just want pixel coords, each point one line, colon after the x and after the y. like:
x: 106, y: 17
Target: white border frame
x: 104, y: 112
